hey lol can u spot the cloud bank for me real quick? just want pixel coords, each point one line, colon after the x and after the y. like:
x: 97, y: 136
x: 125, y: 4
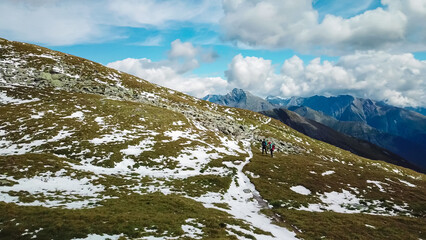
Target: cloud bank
x: 397, y: 79
x: 68, y: 22
x: 268, y: 24
x: 296, y: 25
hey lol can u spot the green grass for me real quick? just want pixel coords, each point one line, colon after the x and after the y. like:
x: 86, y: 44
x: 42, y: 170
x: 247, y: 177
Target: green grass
x: 202, y: 184
x: 161, y: 213
x: 339, y: 226
x: 30, y: 165
x: 276, y: 176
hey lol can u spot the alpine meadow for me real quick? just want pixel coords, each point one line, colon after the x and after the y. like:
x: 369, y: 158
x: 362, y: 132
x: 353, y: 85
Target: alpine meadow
x: 201, y: 119
x: 90, y: 151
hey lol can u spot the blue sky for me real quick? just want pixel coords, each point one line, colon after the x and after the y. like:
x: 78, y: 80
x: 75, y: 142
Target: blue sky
x: 367, y: 48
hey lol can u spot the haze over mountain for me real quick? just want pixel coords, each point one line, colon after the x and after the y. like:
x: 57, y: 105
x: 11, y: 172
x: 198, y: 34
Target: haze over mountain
x: 87, y: 151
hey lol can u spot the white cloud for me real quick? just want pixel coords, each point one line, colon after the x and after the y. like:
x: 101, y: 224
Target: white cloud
x: 252, y: 73
x: 182, y: 49
x: 256, y: 23
x: 173, y: 72
x: 67, y: 22
x: 398, y: 79
x: 295, y: 24
x: 51, y: 22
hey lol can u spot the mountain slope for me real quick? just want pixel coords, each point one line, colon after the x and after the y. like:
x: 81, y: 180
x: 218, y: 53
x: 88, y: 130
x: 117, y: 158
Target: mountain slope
x: 420, y: 110
x: 240, y: 99
x: 87, y: 151
x: 409, y: 150
x: 321, y: 132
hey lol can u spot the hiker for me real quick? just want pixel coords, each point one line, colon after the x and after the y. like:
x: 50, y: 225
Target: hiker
x: 264, y: 150
x: 272, y: 148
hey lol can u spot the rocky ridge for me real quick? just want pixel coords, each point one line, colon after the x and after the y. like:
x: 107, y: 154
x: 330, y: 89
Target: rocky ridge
x: 61, y: 75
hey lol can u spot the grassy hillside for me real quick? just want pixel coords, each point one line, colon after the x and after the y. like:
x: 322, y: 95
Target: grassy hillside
x: 87, y: 151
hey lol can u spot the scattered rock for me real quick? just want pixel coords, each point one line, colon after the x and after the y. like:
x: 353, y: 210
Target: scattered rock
x: 247, y: 190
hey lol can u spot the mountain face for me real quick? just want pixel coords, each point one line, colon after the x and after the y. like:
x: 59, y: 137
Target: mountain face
x: 326, y: 134
x: 90, y: 152
x: 385, y: 118
x: 240, y: 99
x: 411, y: 151
x: 418, y: 110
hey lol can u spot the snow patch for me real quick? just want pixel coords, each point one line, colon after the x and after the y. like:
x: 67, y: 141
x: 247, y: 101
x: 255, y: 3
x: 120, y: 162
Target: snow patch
x: 4, y: 99
x: 378, y: 184
x: 327, y: 173
x: 370, y: 226
x: 100, y: 237
x: 301, y: 190
x: 50, y: 184
x: 100, y: 121
x: 3, y: 133
x: 78, y: 114
x: 178, y: 123
x: 175, y: 135
x: 38, y: 115
x: 194, y: 230
x: 228, y: 110
x: 336, y: 201
x: 143, y: 146
x: 231, y: 146
x: 407, y: 183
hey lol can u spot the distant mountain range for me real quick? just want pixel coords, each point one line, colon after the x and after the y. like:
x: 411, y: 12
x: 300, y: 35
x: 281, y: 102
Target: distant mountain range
x: 326, y: 134
x: 381, y: 116
x: 406, y: 148
x: 398, y: 130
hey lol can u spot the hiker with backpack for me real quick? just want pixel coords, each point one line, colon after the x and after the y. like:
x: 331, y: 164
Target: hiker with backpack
x: 264, y: 149
x: 268, y: 146
x: 272, y: 148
